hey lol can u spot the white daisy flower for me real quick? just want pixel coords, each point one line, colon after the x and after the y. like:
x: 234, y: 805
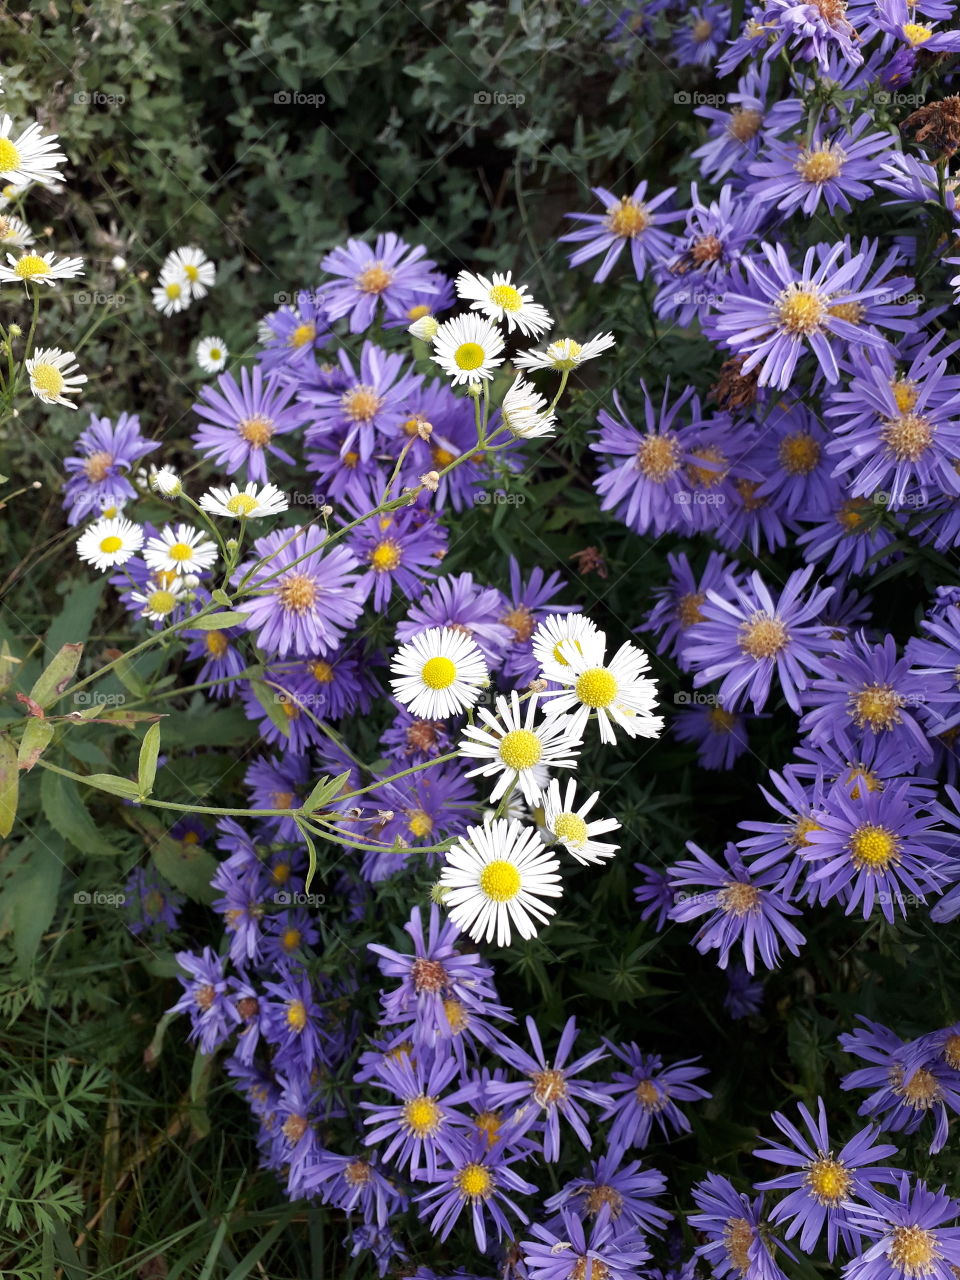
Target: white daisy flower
x: 552, y: 631
x: 110, y: 542
x: 564, y: 354
x: 159, y: 597
x: 191, y: 267
x: 166, y: 482
x: 513, y: 746
x: 54, y: 376
x: 171, y: 295
x: 14, y: 231
x: 425, y: 328
x: 568, y: 825
x: 180, y: 550
x: 39, y: 268
x: 468, y: 348
x: 252, y: 502
x: 212, y: 354
x: 618, y: 691
x: 494, y: 880
x: 501, y: 300
x: 29, y: 157
x: 523, y: 411
x: 439, y: 673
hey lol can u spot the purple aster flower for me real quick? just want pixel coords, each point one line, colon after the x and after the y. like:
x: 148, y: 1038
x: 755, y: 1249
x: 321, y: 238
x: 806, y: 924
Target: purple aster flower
x: 279, y: 783
x: 284, y: 691
x: 286, y: 934
x: 150, y: 904
x: 550, y: 1090
x: 747, y: 119
x: 292, y: 1021
x: 332, y: 687
x: 850, y: 537
x: 790, y: 460
x: 424, y: 808
x: 720, y: 736
x: 778, y: 844
x: 738, y: 1243
x: 464, y: 605
x: 421, y: 1127
x: 655, y: 895
x: 744, y: 993
x: 206, y: 998
x: 304, y: 599
x: 935, y: 665
x: 383, y: 1245
x: 436, y: 296
x: 294, y: 1145
x: 341, y: 474
x: 410, y: 740
x: 702, y: 35
x: 222, y: 660
x: 371, y: 403
x: 909, y: 1237
x: 867, y: 691
x: 97, y: 471
x: 529, y: 603
x: 627, y: 1191
x: 604, y: 1253
x: 679, y: 602
x: 354, y: 1184
x: 748, y: 639
x: 874, y: 847
x: 812, y: 32
x: 391, y: 271
x: 646, y: 1092
x: 397, y: 551
x: 632, y: 220
x: 899, y: 19
x: 870, y: 761
x: 788, y: 312
x: 824, y: 1182
x: 743, y: 906
x: 241, y: 421
x: 830, y: 167
x: 297, y: 331
x: 479, y: 1176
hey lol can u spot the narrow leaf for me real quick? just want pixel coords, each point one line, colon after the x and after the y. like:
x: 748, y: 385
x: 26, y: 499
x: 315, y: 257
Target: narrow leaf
x: 220, y: 621
x: 57, y: 675
x: 35, y: 740
x: 324, y: 792
x: 9, y: 785
x: 149, y: 752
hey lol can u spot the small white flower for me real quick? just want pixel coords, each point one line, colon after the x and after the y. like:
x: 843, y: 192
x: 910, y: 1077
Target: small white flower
x: 166, y: 482
x: 39, y: 268
x: 500, y: 299
x: 110, y: 542
x: 495, y: 878
x: 618, y: 691
x: 212, y: 354
x: 523, y: 411
x: 14, y: 231
x: 567, y: 824
x: 54, y: 376
x: 118, y: 263
x: 159, y: 598
x: 171, y: 295
x: 180, y: 550
x: 425, y: 328
x: 30, y: 157
x: 468, y: 348
x: 192, y: 267
x: 564, y: 354
x: 439, y: 673
x: 514, y: 746
x: 251, y: 502
x: 552, y: 631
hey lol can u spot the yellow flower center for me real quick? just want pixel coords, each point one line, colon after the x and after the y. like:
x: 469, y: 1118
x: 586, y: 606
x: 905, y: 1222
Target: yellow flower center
x: 296, y: 1015
x: 191, y: 272
x: 821, y: 163
x: 570, y: 827
x: 721, y: 720
x: 257, y: 431
x: 876, y: 705
x: 438, y: 673
x: 441, y: 457
x: 422, y: 1115
x: 173, y: 290
x: 500, y: 881
x: 418, y: 312
x: 30, y: 265
x: 294, y: 1127
x: 763, y: 636
x: 456, y: 1015
x: 596, y: 687
x: 873, y: 848
x: 488, y: 1122
x: 565, y: 353
x: 241, y: 504
x: 907, y: 437
x: 474, y: 1182
x: 688, y: 608
x: 702, y: 30
x: 361, y: 403
x: 914, y: 1250
x: 97, y: 466
x: 649, y: 1096
x: 357, y: 1173
x: 9, y: 155
x: 520, y: 749
x: 801, y: 829
x: 386, y: 556
x: 549, y: 1086
x: 602, y: 1195
x: 109, y: 545
x: 302, y: 335
x: 799, y: 453
x: 708, y: 477
x: 298, y: 592
x: 744, y: 123
x: 658, y: 457
x: 214, y: 353
x: 628, y: 218
x: 375, y: 278
x: 180, y: 551
x: 828, y: 1181
x: 506, y: 296
x: 738, y: 1237
x: 419, y: 822
x: 852, y: 312
x: 217, y: 643
x: 737, y: 898
x: 48, y: 379
x: 282, y: 799
x: 162, y: 602
x: 905, y: 394
x: 922, y: 1092
x: 321, y: 671
x: 951, y: 1051
x: 469, y: 355
x: 289, y: 708
x: 589, y: 1269
x: 800, y: 309
x: 917, y: 32
x: 290, y: 938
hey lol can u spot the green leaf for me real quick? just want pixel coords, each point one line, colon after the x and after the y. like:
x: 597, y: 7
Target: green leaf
x: 35, y: 740
x: 269, y: 699
x: 130, y: 680
x: 220, y: 596
x: 324, y: 792
x: 188, y: 867
x: 116, y: 786
x: 57, y: 675
x: 8, y: 666
x: 9, y: 785
x: 72, y: 625
x: 311, y: 854
x: 147, y: 768
x: 65, y: 811
x: 199, y: 1088
x: 31, y: 896
x: 220, y: 621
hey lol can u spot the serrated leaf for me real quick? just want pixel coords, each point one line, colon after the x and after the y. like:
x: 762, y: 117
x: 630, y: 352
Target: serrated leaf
x: 35, y: 740
x: 57, y: 675
x: 324, y: 792
x: 147, y: 766
x: 221, y: 621
x: 65, y: 811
